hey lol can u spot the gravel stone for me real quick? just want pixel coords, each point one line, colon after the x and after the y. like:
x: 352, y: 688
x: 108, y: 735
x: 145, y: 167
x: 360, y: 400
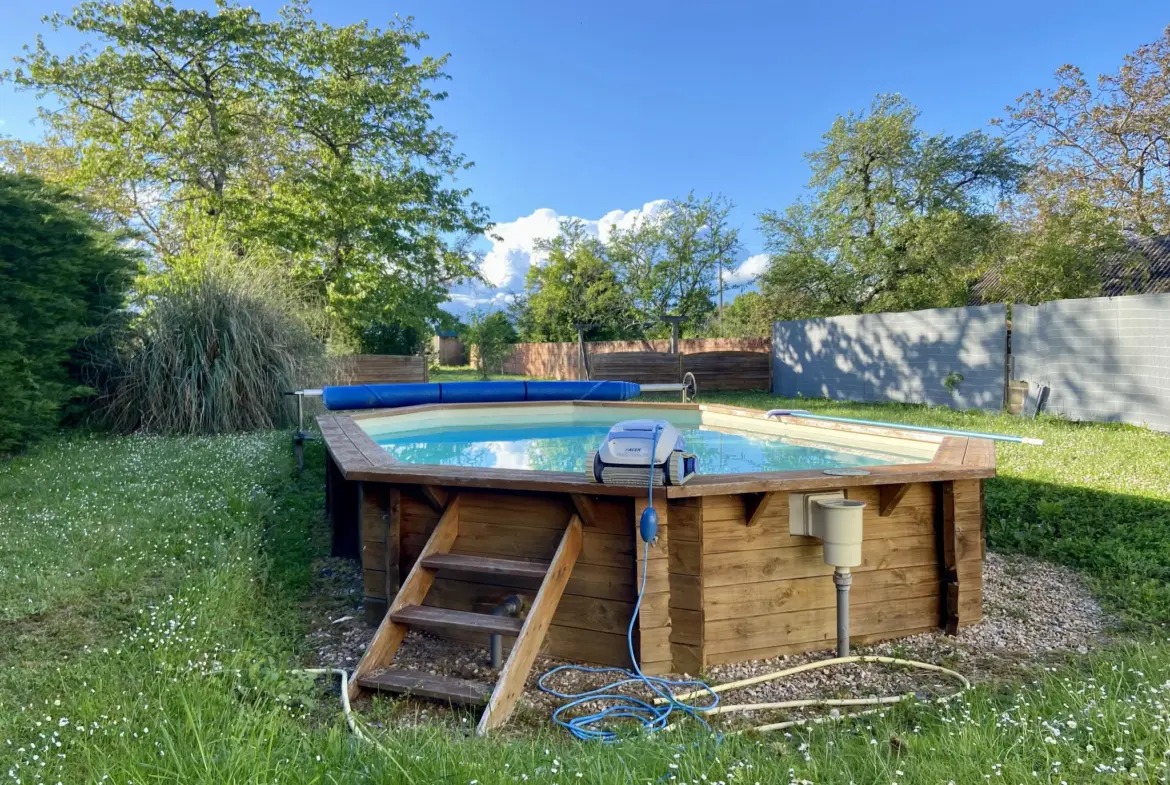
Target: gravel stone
x: 1031, y: 610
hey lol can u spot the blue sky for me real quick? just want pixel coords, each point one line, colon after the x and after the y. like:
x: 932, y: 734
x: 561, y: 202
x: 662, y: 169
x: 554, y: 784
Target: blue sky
x: 595, y: 110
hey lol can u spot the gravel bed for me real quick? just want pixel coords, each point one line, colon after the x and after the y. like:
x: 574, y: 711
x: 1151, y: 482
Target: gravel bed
x: 1031, y: 609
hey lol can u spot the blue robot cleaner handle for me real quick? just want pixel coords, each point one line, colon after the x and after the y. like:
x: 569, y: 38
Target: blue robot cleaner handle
x: 611, y: 704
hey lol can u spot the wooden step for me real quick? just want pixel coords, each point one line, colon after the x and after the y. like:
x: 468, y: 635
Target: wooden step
x: 427, y: 685
x: 426, y: 616
x: 486, y: 565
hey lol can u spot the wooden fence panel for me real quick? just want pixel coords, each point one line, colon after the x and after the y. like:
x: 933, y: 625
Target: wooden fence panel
x: 729, y: 370
x: 640, y: 367
x: 562, y: 360
x: 382, y: 369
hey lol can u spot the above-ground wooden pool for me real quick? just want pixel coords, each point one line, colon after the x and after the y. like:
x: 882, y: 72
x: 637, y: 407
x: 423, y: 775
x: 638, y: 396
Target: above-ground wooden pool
x: 725, y: 581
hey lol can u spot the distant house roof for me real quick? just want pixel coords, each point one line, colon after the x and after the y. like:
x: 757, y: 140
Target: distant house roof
x: 1143, y: 269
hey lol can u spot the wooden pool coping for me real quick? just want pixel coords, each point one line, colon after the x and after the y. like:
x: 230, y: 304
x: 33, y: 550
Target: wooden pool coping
x: 359, y: 457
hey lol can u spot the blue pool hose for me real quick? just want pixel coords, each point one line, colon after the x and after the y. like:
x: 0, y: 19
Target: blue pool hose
x: 995, y: 437
x: 652, y: 717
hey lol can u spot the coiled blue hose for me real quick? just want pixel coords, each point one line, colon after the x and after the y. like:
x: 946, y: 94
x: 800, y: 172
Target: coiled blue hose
x: 590, y: 727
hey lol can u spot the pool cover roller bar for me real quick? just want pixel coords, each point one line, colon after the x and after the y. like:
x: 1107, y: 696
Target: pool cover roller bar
x: 389, y: 396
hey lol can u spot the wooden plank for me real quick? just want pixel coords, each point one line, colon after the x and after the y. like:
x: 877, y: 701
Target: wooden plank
x: 980, y: 452
x: 815, y: 480
x: 768, y: 652
x: 434, y: 496
x: 757, y: 507
x: 640, y: 367
x: 801, y: 594
x: 446, y: 618
x: 586, y: 613
x: 686, y: 520
x: 686, y: 627
x: 427, y: 685
x: 586, y: 509
x: 948, y: 557
x: 951, y: 451
x: 815, y: 626
x: 369, y: 449
x: 890, y: 496
x: 486, y: 565
x: 653, y: 642
x: 414, y: 589
x: 729, y: 370
x: 393, y: 543
x: 686, y: 592
x: 515, y: 671
x: 519, y: 542
x: 723, y: 569
x: 686, y: 659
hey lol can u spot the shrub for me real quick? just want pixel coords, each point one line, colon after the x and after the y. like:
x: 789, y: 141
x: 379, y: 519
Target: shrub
x: 213, y: 352
x: 61, y: 275
x: 492, y: 335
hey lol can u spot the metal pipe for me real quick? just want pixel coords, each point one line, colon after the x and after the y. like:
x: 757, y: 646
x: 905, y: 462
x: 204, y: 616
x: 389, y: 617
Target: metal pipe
x: 844, y: 579
x: 997, y: 437
x: 661, y: 387
x: 511, y: 606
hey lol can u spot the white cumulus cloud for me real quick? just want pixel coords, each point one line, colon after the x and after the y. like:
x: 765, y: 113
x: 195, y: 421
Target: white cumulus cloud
x: 748, y: 271
x: 513, y: 248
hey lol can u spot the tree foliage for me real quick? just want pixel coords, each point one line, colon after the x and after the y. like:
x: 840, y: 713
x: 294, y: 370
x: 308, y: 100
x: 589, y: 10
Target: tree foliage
x: 492, y: 335
x: 577, y: 285
x: 671, y: 262
x: 311, y: 140
x: 61, y: 276
x: 1107, y: 144
x: 668, y: 262
x: 896, y: 219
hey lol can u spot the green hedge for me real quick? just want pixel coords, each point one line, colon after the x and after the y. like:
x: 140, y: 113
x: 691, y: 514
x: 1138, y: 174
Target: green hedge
x: 61, y: 275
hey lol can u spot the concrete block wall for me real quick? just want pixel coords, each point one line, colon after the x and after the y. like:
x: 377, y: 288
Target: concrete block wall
x: 905, y: 357
x: 1105, y: 359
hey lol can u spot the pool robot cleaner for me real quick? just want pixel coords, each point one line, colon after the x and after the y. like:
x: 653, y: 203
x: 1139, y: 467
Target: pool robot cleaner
x: 636, y: 449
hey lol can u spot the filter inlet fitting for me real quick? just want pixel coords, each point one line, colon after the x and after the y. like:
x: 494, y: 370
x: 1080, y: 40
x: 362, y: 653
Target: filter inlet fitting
x: 843, y: 578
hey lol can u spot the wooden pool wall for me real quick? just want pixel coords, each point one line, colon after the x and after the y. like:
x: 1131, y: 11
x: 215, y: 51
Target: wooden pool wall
x: 725, y: 582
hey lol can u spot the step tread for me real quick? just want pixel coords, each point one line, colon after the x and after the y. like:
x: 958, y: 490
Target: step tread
x: 428, y: 616
x: 427, y: 685
x: 486, y: 565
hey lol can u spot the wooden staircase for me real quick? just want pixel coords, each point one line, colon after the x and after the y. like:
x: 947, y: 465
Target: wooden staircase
x: 374, y: 671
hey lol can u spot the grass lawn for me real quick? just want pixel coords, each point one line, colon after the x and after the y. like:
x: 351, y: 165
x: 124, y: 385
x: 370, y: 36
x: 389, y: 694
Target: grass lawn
x: 151, y: 596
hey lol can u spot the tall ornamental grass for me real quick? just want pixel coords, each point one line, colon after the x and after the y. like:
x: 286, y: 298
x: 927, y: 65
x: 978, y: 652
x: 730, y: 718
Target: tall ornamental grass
x: 212, y: 352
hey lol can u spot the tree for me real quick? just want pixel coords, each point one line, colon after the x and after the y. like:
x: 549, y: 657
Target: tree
x: 1107, y: 145
x: 492, y: 335
x: 672, y: 262
x: 1060, y: 254
x: 61, y: 276
x: 897, y: 219
x: 314, y: 141
x: 577, y: 285
x: 749, y: 315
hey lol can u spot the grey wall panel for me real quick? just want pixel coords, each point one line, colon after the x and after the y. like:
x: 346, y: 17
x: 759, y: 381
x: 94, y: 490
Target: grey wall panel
x: 1105, y: 359
x: 906, y: 357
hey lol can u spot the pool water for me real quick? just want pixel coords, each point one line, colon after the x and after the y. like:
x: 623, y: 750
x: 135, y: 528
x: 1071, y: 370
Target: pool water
x: 550, y: 447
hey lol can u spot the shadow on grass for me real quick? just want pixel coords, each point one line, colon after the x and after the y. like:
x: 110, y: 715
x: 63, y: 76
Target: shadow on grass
x: 1120, y: 542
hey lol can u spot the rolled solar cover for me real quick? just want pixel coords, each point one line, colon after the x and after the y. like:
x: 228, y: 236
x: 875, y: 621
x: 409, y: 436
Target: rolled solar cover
x: 379, y: 396
x: 480, y: 392
x: 582, y: 391
x: 389, y: 396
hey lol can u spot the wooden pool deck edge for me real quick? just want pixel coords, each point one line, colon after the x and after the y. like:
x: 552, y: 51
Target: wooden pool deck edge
x: 360, y: 458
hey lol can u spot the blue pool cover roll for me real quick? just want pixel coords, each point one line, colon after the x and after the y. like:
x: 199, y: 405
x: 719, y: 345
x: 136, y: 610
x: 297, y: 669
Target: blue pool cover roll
x: 389, y: 396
